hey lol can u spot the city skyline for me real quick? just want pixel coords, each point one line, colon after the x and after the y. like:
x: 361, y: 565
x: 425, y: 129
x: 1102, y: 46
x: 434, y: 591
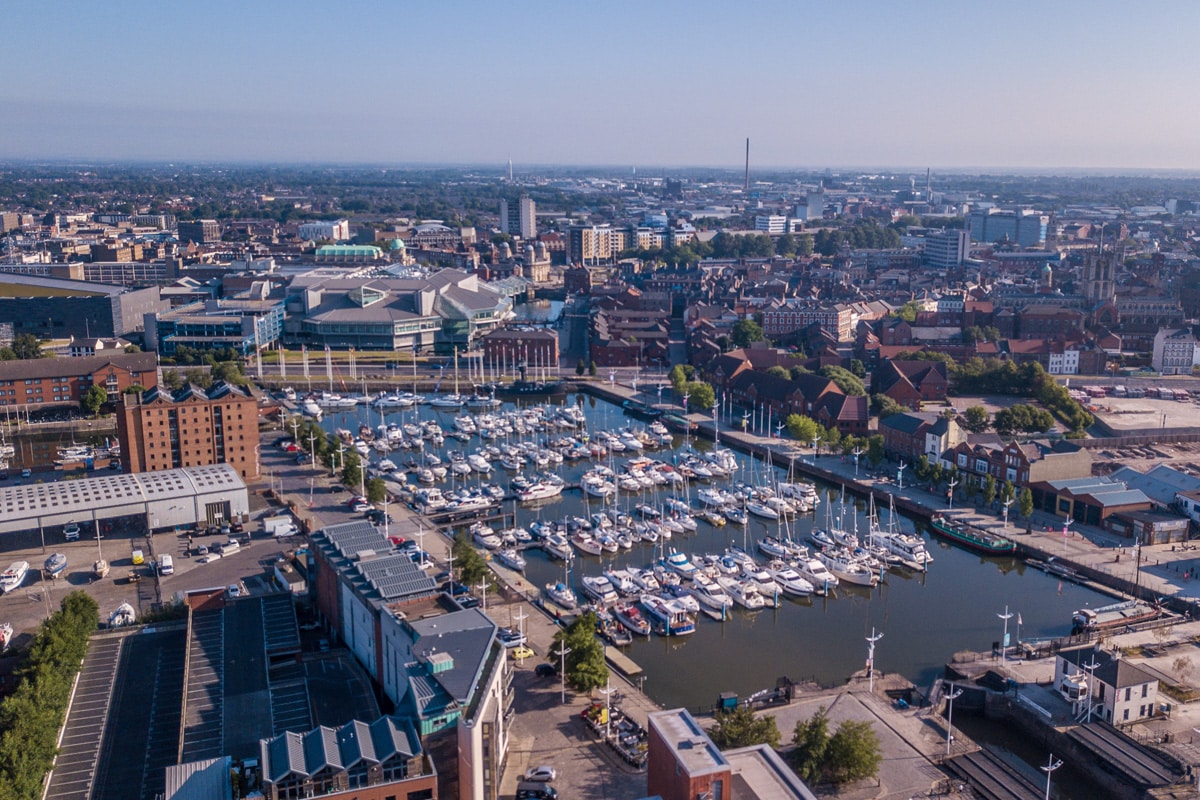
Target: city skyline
x: 1070, y: 86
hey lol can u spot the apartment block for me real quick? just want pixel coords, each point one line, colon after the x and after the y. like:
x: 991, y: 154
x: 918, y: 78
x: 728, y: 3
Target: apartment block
x: 160, y: 429
x: 62, y: 381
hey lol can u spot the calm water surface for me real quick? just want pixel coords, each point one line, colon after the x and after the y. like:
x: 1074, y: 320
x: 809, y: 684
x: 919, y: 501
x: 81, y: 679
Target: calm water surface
x: 924, y: 618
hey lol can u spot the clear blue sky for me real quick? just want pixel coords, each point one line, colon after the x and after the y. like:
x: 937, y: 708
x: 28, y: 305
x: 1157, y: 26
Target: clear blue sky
x: 947, y: 84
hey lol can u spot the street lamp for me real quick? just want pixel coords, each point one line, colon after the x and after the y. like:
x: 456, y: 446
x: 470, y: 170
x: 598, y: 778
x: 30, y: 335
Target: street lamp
x: 1051, y: 765
x: 871, y: 640
x: 562, y: 673
x: 1007, y: 504
x: 858, y: 451
x: 607, y: 691
x: 1006, y: 616
x: 900, y: 475
x: 816, y: 440
x: 1091, y: 668
x: 954, y: 693
x: 950, y: 492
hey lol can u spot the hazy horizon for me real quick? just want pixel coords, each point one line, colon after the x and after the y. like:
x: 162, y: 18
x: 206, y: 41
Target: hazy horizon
x: 1036, y: 88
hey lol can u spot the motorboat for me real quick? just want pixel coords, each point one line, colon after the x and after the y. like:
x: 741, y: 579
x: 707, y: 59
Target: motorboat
x: 55, y: 565
x: 743, y: 592
x: 789, y: 579
x: 621, y: 580
x: 557, y: 546
x: 562, y: 595
x: 681, y: 595
x: 846, y: 567
x: 14, y: 576
x: 447, y: 401
x: 479, y: 463
x: 510, y: 558
x: 762, y: 580
x: 667, y: 616
x: 628, y: 615
x: 100, y: 569
x: 585, y: 543
x: 815, y: 572
x: 680, y: 564
x: 335, y: 401
x: 540, y: 490
x: 485, y: 537
x: 125, y: 614
x: 710, y: 593
x: 645, y: 580
x: 600, y: 589
x: 713, y: 518
x: 310, y: 408
x: 772, y: 547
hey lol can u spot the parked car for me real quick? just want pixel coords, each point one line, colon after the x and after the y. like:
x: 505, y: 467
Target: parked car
x: 510, y: 638
x: 546, y: 671
x: 468, y: 601
x: 543, y: 774
x: 201, y: 550
x: 71, y: 531
x: 532, y: 790
x: 522, y: 652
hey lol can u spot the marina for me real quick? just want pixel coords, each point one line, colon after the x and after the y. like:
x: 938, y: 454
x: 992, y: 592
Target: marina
x: 816, y: 635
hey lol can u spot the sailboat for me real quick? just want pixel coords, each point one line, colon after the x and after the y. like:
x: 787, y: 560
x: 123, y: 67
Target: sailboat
x: 450, y: 400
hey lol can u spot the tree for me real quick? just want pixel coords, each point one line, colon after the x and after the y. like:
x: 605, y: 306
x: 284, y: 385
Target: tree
x: 171, y: 379
x: 229, y: 372
x: 1025, y: 503
x: 975, y: 419
x: 700, y: 395
x: 579, y: 368
x: 989, y: 490
x: 132, y: 348
x: 780, y: 372
x: 921, y: 468
x: 857, y: 368
x: 679, y: 375
x: 376, y: 490
x: 135, y: 388
x: 875, y: 449
x: 472, y: 568
x: 200, y: 377
x: 884, y: 406
x: 739, y: 727
x: 93, y: 398
x: 352, y: 473
x: 592, y: 369
x: 908, y: 311
x: 802, y: 428
x: 853, y: 752
x: 1007, y: 491
x: 27, y: 346
x: 831, y: 436
x: 7, y: 354
x: 746, y: 331
x: 811, y: 740
x: 847, y: 381
x: 796, y: 370
x: 586, y: 669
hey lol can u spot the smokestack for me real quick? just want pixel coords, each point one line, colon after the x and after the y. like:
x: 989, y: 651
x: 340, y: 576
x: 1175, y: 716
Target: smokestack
x: 746, y: 186
x: 510, y: 170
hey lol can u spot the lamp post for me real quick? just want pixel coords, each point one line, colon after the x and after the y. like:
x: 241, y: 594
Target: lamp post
x: 1051, y: 765
x: 858, y: 451
x: 954, y: 694
x: 900, y: 475
x: 950, y: 492
x: 562, y: 672
x: 1091, y: 668
x: 871, y: 640
x: 607, y: 691
x: 1006, y: 616
x: 816, y: 440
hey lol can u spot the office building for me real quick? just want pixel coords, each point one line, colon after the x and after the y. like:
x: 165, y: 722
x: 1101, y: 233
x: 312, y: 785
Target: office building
x: 772, y: 224
x: 201, y: 231
x: 161, y: 429
x: 519, y: 218
x: 48, y: 381
x: 51, y: 308
x: 333, y: 230
x: 946, y: 249
x: 992, y: 226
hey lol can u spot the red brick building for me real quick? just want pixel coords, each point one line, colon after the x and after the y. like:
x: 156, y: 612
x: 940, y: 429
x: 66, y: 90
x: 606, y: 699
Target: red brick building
x: 911, y: 383
x: 49, y: 381
x: 512, y: 347
x: 160, y: 429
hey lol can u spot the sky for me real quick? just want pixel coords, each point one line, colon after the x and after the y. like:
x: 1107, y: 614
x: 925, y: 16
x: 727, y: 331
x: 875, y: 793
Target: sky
x: 1020, y: 84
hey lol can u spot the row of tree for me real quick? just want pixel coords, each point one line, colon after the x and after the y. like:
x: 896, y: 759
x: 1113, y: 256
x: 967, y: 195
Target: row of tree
x: 32, y: 715
x: 806, y: 429
x: 973, y: 488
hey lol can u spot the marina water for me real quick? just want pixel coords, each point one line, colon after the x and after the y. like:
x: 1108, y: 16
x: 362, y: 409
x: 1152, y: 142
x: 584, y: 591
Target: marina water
x: 925, y: 617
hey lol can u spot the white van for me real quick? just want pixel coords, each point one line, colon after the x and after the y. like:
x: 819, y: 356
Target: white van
x: 166, y: 566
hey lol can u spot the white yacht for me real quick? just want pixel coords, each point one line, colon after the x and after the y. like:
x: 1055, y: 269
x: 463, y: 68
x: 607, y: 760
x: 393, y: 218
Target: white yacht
x: 789, y: 579
x: 846, y: 567
x: 815, y: 572
x: 743, y: 592
x: 600, y: 589
x: 709, y: 592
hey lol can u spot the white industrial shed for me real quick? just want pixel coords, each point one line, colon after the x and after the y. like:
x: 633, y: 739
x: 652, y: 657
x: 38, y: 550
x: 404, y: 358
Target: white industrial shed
x: 164, y: 499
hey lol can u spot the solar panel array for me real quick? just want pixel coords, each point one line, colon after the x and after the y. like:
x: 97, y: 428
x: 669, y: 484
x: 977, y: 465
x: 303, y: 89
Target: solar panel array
x: 396, y: 576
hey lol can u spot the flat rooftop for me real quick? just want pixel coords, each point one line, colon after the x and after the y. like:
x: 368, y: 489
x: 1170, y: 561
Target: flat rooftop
x: 1144, y: 414
x: 688, y: 741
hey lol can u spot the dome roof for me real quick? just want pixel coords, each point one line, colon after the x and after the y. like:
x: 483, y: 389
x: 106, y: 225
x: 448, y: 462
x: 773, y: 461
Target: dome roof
x: 397, y: 244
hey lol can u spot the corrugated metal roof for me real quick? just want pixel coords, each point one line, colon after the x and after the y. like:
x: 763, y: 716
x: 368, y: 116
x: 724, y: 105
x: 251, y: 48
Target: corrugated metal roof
x: 200, y: 780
